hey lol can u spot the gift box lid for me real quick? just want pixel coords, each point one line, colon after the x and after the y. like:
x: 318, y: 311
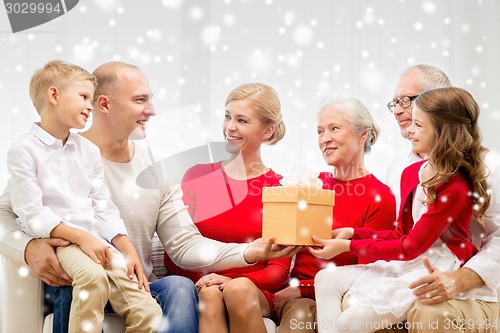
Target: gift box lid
x: 298, y: 193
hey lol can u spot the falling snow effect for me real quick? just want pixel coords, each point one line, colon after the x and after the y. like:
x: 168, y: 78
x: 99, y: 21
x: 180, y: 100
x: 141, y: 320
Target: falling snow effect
x: 197, y: 54
x: 305, y: 54
x: 84, y: 295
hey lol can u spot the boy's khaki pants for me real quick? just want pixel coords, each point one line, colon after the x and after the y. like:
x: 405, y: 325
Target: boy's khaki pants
x: 93, y: 286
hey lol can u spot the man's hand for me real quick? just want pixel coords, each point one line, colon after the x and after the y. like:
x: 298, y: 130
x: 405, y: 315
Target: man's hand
x: 41, y: 257
x: 257, y: 251
x: 441, y: 286
x: 134, y: 266
x: 284, y: 296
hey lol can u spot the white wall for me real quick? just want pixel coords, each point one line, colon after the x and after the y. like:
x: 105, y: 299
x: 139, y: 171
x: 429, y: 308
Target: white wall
x: 196, y: 51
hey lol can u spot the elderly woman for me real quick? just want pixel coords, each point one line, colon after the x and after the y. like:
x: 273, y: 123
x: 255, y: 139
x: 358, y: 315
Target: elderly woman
x: 346, y: 131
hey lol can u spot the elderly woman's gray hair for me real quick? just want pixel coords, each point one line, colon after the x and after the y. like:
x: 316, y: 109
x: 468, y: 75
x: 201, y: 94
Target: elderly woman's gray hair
x: 357, y: 113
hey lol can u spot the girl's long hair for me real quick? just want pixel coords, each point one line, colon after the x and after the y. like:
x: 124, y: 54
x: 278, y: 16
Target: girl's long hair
x: 454, y: 114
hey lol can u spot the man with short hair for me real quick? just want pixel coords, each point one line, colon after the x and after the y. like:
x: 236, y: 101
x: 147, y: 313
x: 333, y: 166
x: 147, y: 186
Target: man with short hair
x: 122, y: 108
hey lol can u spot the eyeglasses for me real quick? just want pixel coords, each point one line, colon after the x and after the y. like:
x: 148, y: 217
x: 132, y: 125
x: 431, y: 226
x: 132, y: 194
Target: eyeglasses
x: 403, y: 102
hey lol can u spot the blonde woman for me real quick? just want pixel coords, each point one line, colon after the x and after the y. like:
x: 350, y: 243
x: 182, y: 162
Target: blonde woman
x: 225, y: 201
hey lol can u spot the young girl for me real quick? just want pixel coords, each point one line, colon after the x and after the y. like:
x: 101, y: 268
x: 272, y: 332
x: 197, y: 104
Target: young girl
x: 438, y: 196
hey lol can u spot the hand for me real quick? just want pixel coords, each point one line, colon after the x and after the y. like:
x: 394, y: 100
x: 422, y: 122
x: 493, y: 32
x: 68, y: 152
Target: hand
x: 343, y: 233
x: 134, y: 266
x: 257, y: 251
x: 329, y: 248
x: 284, y: 296
x: 99, y: 252
x: 41, y: 257
x: 212, y: 279
x: 441, y: 286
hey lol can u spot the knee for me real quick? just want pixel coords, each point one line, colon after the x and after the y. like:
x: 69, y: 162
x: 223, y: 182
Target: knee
x: 211, y: 302
x: 424, y: 316
x: 299, y: 310
x: 239, y: 290
x: 151, y: 315
x: 95, y: 278
x: 420, y: 312
x: 323, y: 280
x: 174, y: 286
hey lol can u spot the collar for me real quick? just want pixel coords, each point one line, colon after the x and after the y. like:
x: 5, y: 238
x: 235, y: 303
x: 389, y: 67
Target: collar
x: 46, y: 138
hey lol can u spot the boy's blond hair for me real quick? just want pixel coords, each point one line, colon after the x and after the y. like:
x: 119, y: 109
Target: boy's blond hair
x: 55, y: 73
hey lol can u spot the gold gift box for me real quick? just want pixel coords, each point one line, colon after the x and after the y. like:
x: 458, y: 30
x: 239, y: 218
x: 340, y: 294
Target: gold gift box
x: 292, y: 214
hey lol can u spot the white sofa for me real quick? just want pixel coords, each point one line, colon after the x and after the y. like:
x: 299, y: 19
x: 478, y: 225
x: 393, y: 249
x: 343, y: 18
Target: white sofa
x: 23, y: 304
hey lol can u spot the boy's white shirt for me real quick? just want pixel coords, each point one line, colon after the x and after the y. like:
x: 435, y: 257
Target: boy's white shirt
x: 50, y: 183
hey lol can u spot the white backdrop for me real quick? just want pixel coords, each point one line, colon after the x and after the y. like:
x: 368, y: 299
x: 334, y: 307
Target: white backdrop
x: 196, y: 51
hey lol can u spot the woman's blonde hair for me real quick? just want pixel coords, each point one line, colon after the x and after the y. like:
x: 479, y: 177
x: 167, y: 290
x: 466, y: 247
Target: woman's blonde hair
x: 55, y: 73
x: 454, y: 114
x: 263, y: 99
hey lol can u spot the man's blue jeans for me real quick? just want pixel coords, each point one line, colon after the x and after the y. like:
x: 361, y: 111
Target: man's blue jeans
x: 176, y: 295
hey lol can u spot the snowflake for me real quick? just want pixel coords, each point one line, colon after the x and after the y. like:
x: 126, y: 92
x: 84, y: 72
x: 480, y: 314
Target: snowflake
x: 211, y: 34
x: 23, y: 271
x: 87, y: 326
x: 303, y: 35
x: 288, y: 17
x: 429, y: 7
x: 84, y: 51
x: 83, y: 295
x: 259, y: 60
x: 196, y: 13
x: 106, y: 5
x: 162, y: 325
x: 229, y: 19
x: 154, y: 34
x: 331, y: 266
x: 172, y: 3
x: 302, y: 204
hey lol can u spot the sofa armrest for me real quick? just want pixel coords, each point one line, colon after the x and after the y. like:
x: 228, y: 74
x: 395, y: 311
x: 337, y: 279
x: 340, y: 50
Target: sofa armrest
x: 23, y: 303
x: 22, y: 299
